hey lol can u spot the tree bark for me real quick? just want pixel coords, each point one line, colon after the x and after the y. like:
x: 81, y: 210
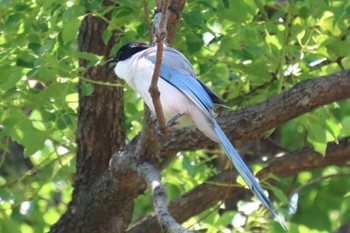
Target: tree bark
x: 100, y: 133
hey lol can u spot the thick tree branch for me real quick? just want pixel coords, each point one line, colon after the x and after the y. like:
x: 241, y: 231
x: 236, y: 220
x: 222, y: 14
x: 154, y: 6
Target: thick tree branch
x: 254, y: 121
x: 208, y: 194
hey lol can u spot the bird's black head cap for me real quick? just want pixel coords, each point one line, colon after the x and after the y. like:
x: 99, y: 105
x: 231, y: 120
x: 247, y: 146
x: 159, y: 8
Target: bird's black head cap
x: 129, y: 49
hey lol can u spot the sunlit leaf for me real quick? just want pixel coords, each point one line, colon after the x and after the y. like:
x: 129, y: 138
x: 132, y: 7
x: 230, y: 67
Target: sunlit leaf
x: 70, y: 30
x: 317, y: 137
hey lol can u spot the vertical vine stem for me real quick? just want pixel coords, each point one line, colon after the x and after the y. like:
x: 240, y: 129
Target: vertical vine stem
x: 153, y: 89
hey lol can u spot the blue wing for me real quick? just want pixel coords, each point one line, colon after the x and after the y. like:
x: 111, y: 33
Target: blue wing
x: 189, y: 86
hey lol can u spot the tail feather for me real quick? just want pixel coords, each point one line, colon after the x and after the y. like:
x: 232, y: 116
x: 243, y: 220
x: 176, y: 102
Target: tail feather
x: 246, y: 174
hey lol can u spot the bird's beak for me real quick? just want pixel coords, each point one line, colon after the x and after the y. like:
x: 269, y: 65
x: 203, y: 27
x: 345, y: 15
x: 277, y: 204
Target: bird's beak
x: 112, y: 60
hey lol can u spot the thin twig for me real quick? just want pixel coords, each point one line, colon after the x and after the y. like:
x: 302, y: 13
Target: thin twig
x: 33, y: 171
x: 153, y: 89
x: 152, y: 177
x: 319, y: 179
x: 216, y: 208
x: 150, y: 34
x: 158, y: 5
x: 101, y: 82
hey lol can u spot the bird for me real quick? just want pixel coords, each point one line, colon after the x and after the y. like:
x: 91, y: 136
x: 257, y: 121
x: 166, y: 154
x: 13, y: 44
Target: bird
x: 184, y: 98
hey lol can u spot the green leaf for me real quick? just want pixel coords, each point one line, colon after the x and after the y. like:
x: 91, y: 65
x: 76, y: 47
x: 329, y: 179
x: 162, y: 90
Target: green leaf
x: 194, y: 43
x: 188, y: 166
x: 34, y: 46
x: 333, y: 127
x: 25, y: 134
x: 93, y: 58
x: 240, y: 181
x: 107, y: 34
x: 45, y: 73
x: 194, y: 18
x: 226, y: 3
x: 26, y: 60
x: 221, y: 71
x: 338, y: 47
x: 10, y: 81
x: 237, y: 11
x: 317, y: 137
x: 72, y: 12
x: 87, y: 89
x: 70, y: 31
x: 345, y: 130
x: 280, y: 194
x: 274, y: 42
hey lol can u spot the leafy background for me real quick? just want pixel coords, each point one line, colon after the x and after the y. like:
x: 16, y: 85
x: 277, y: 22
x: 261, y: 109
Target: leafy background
x: 247, y: 51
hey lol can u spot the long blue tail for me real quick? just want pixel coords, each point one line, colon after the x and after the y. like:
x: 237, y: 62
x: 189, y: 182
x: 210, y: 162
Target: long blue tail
x: 246, y: 174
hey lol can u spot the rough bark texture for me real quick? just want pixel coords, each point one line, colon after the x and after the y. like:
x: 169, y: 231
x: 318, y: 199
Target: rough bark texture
x: 100, y: 133
x: 100, y: 120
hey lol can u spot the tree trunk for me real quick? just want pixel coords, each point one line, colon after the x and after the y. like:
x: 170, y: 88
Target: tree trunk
x: 100, y: 133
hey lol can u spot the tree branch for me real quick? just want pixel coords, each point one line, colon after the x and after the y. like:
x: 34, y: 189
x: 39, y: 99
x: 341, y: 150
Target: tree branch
x: 250, y: 122
x: 152, y: 178
x: 253, y: 122
x: 153, y: 89
x: 318, y: 91
x: 209, y: 193
x: 317, y: 180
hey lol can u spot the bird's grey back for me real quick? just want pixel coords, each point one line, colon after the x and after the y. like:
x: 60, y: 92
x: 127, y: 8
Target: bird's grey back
x: 175, y: 60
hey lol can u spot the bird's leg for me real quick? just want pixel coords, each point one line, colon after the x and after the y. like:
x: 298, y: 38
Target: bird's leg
x: 173, y: 120
x: 170, y: 123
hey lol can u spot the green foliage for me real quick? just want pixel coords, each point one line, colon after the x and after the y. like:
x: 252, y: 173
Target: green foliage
x: 247, y: 51
x: 38, y: 110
